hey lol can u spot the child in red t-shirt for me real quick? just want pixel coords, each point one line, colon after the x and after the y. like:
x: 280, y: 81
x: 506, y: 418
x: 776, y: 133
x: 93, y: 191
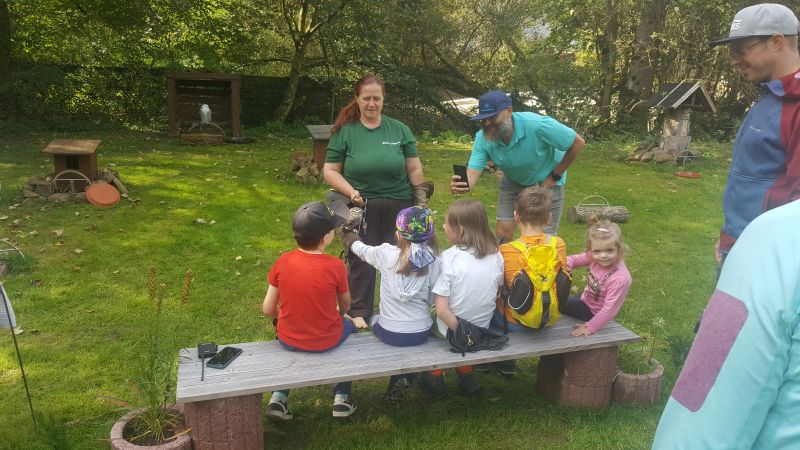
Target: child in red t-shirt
x: 308, y: 293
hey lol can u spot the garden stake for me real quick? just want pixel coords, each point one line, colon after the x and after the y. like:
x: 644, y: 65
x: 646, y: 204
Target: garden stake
x: 6, y: 303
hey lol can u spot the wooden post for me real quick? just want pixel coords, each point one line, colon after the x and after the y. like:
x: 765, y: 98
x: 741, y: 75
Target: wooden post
x: 226, y: 423
x: 321, y: 135
x: 236, y: 106
x: 172, y: 111
x: 582, y: 379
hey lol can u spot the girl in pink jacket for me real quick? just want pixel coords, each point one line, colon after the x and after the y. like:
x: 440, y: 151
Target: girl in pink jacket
x: 608, y: 280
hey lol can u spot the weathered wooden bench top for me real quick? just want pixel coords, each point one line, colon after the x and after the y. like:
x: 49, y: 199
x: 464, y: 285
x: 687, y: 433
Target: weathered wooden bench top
x: 266, y: 366
x: 320, y: 132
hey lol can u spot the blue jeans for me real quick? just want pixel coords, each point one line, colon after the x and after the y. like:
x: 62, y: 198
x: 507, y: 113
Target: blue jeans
x: 344, y: 387
x: 398, y: 339
x: 498, y: 323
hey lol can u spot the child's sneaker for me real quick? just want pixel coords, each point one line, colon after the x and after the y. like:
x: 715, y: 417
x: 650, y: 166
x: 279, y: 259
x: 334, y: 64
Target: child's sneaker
x: 468, y: 383
x: 278, y: 410
x: 507, y: 367
x: 344, y: 408
x: 395, y: 392
x: 431, y: 384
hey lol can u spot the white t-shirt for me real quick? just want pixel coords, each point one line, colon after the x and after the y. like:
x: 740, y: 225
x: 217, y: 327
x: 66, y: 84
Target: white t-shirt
x: 405, y: 299
x: 470, y: 284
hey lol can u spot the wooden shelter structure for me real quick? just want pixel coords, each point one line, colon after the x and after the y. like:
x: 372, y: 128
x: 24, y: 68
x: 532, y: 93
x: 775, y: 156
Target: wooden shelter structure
x: 188, y: 91
x: 680, y: 99
x: 321, y: 134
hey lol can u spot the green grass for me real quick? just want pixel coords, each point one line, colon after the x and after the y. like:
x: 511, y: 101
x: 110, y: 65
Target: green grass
x: 84, y: 315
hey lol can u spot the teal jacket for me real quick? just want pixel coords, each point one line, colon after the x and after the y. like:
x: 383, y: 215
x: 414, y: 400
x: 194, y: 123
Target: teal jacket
x: 740, y: 385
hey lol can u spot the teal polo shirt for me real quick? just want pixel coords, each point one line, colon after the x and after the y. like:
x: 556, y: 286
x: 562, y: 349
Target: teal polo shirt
x: 375, y: 159
x: 537, y: 146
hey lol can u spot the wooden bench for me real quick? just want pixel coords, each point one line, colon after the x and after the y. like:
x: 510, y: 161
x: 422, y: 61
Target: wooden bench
x: 225, y: 409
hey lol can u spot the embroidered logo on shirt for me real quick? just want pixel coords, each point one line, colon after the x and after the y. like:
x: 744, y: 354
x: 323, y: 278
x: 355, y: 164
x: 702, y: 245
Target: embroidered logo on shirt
x: 390, y: 143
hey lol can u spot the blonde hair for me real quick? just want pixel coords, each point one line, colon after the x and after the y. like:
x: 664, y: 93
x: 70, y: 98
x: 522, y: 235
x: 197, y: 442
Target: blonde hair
x: 533, y: 205
x: 605, y: 230
x: 467, y: 218
x: 403, y: 264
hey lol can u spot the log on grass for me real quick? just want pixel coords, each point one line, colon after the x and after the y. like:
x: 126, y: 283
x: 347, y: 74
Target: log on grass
x: 582, y: 213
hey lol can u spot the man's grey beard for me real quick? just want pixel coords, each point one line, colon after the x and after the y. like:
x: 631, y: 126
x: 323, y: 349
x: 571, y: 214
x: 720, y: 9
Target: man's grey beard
x: 498, y: 131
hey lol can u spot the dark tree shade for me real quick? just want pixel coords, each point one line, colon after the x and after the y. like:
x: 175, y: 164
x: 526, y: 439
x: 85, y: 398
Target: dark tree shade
x: 5, y: 42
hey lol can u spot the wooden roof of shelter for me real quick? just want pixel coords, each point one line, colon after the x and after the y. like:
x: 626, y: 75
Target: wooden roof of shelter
x: 72, y: 147
x: 689, y: 94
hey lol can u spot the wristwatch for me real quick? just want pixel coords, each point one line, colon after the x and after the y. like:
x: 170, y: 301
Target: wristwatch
x: 555, y: 176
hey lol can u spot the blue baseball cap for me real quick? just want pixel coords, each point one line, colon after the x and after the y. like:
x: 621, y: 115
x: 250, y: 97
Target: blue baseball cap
x: 490, y: 104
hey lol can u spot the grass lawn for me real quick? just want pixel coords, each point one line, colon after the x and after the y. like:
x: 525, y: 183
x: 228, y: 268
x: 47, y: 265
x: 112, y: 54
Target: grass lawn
x: 81, y: 297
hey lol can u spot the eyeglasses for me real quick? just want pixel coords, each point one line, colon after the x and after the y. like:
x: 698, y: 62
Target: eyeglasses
x: 739, y: 52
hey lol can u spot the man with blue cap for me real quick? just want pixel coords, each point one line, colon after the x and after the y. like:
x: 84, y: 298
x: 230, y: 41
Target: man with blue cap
x: 765, y: 169
x: 529, y: 148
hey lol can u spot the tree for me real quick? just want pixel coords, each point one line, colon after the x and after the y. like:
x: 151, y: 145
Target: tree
x: 644, y: 61
x: 5, y: 42
x: 304, y: 19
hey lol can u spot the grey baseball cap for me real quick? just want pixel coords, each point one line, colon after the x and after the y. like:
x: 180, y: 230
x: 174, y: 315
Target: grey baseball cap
x: 762, y: 20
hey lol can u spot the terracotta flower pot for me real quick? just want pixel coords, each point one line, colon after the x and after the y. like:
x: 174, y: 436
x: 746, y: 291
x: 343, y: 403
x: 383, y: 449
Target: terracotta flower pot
x: 640, y: 389
x: 118, y: 441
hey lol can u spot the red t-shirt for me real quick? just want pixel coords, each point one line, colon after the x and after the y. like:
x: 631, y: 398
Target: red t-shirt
x: 308, y: 285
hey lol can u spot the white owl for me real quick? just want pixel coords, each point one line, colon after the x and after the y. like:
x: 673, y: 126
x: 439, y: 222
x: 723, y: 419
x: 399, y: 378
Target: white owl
x: 205, y: 114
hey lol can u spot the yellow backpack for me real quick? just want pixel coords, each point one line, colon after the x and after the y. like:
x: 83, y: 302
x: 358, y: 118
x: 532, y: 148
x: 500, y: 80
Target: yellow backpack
x: 540, y: 287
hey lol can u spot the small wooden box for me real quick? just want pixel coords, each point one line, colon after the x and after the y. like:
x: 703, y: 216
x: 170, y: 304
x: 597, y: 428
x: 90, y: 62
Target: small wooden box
x: 74, y: 154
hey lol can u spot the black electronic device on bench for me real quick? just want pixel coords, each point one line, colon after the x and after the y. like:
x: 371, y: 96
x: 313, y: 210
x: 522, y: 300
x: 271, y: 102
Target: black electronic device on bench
x: 224, y: 357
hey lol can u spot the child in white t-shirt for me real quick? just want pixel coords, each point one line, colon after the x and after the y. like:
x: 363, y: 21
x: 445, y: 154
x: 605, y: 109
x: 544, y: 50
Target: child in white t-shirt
x: 472, y: 272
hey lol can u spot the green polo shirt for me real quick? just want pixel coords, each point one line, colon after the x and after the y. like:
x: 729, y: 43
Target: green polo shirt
x: 375, y: 159
x: 537, y: 146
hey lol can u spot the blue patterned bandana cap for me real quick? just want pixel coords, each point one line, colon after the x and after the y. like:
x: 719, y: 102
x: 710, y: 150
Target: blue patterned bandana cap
x: 415, y: 224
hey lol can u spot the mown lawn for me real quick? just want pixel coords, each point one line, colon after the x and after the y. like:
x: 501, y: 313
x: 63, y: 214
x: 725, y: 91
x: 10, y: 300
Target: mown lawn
x: 81, y: 298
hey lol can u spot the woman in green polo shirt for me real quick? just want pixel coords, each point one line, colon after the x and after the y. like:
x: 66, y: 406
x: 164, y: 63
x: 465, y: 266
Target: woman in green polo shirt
x: 372, y: 159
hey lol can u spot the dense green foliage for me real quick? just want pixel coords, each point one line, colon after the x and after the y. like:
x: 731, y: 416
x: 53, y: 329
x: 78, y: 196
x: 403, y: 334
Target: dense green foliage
x: 590, y: 63
x: 81, y: 295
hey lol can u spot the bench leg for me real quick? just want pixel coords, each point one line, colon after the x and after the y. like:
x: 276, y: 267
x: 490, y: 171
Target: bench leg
x: 582, y: 379
x: 227, y: 423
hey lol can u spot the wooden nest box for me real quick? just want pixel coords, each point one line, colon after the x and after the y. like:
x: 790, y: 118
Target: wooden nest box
x: 187, y: 92
x: 679, y: 99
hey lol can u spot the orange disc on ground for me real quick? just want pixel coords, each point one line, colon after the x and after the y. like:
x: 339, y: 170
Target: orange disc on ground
x: 688, y: 174
x: 102, y: 194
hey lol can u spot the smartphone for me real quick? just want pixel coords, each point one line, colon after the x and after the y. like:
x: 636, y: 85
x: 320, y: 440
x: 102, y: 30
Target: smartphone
x: 461, y: 171
x: 224, y: 357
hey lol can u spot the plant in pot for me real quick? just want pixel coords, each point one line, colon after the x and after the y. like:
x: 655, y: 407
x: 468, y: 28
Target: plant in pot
x: 152, y: 421
x: 640, y: 376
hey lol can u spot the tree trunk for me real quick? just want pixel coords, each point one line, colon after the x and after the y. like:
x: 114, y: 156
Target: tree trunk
x: 5, y: 42
x: 283, y: 110
x: 641, y: 71
x: 607, y: 48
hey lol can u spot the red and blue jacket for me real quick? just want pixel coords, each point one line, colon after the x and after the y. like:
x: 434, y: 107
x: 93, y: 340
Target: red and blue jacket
x: 765, y: 171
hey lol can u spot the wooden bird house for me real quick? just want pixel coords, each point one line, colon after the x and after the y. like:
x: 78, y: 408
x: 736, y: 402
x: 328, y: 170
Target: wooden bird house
x: 679, y: 100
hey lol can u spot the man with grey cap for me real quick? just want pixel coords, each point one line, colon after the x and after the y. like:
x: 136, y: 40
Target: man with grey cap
x: 529, y: 148
x: 765, y: 169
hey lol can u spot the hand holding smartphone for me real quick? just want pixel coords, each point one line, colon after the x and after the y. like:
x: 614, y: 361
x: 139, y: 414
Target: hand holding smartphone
x: 461, y: 172
x: 222, y: 359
